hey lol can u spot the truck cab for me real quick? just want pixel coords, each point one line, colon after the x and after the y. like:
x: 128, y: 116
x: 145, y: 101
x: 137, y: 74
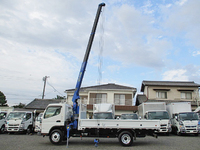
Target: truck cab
x: 20, y: 121
x: 55, y: 117
x: 156, y: 111
x: 163, y: 116
x: 186, y: 122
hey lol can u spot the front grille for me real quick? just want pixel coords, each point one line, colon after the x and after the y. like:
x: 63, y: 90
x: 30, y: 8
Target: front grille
x: 11, y: 125
x: 190, y: 126
x: 162, y: 125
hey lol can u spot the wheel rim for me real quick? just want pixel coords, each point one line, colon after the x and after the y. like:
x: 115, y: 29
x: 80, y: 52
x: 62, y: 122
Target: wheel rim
x: 55, y: 137
x: 126, y: 139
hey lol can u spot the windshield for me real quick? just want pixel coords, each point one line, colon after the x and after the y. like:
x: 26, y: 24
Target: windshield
x: 2, y: 115
x: 158, y: 115
x: 188, y: 116
x: 103, y: 116
x: 16, y: 115
x: 129, y: 116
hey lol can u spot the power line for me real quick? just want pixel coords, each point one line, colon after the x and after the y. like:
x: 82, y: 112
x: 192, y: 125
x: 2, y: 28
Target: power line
x: 54, y: 88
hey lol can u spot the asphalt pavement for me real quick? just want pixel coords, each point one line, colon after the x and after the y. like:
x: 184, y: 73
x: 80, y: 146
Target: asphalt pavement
x: 35, y: 142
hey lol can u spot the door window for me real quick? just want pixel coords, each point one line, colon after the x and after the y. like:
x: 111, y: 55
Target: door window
x: 52, y: 111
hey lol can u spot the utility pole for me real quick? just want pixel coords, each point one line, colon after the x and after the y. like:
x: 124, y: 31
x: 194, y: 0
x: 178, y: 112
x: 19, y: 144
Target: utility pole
x: 45, y: 80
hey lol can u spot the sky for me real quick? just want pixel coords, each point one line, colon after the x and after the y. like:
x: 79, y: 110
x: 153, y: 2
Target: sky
x: 136, y: 40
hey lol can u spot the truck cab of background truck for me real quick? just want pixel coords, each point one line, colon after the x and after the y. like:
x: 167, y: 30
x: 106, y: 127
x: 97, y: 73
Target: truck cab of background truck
x: 186, y: 122
x: 20, y: 121
x: 163, y: 116
x: 156, y: 111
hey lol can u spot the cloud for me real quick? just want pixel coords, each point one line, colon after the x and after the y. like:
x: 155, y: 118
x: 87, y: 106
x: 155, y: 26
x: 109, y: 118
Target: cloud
x: 187, y: 73
x: 196, y: 53
x: 175, y: 75
x: 39, y: 38
x: 133, y: 39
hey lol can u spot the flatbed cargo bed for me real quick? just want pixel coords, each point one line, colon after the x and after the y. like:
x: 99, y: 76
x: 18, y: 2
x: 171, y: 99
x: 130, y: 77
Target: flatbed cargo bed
x: 118, y: 124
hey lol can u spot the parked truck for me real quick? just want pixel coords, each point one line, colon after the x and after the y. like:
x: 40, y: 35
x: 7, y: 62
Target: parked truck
x: 156, y: 111
x: 183, y: 119
x: 20, y: 121
x: 4, y: 111
x: 62, y: 121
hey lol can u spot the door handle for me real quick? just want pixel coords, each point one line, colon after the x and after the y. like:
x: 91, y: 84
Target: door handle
x: 58, y: 121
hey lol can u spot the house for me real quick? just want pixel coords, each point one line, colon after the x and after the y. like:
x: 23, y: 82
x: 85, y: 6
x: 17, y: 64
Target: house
x: 119, y: 95
x: 170, y: 91
x: 40, y: 104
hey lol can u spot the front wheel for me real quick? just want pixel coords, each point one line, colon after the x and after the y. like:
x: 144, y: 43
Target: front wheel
x: 29, y: 130
x: 3, y: 129
x: 56, y: 137
x: 177, y: 132
x: 126, y: 138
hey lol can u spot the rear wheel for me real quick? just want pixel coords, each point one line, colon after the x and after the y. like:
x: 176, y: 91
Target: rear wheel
x: 126, y: 138
x: 56, y: 136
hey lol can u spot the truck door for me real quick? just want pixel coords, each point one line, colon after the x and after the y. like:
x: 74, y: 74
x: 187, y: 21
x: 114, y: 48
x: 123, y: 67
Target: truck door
x: 28, y: 120
x: 51, y: 117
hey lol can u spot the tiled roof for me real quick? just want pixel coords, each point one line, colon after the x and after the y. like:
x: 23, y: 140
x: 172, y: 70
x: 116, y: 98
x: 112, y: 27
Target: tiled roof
x: 41, y: 103
x: 109, y: 86
x: 169, y: 83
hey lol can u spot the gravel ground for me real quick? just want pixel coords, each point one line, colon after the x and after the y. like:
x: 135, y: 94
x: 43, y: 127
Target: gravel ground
x: 35, y: 142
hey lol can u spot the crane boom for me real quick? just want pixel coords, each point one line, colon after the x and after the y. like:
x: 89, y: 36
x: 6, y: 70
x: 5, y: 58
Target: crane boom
x: 84, y: 64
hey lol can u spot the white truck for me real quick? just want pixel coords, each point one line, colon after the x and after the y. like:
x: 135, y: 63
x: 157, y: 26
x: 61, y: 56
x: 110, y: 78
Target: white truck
x: 57, y: 116
x: 183, y: 119
x: 156, y: 111
x: 4, y: 111
x: 20, y: 121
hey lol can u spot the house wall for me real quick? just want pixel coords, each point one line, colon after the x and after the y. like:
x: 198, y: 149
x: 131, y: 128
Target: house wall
x: 91, y: 95
x: 173, y: 93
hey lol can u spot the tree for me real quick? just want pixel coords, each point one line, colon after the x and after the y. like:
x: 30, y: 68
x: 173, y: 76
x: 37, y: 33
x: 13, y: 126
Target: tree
x: 3, y: 100
x: 20, y: 105
x: 60, y: 97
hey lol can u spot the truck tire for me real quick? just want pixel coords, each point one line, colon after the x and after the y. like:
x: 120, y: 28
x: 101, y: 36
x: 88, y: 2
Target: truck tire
x: 56, y: 137
x: 125, y: 138
x: 2, y: 129
x: 29, y: 130
x: 177, y: 132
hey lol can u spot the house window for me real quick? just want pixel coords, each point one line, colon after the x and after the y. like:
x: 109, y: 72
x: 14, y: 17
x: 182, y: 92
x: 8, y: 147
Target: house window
x: 161, y: 94
x: 119, y: 99
x: 186, y: 95
x: 101, y: 98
